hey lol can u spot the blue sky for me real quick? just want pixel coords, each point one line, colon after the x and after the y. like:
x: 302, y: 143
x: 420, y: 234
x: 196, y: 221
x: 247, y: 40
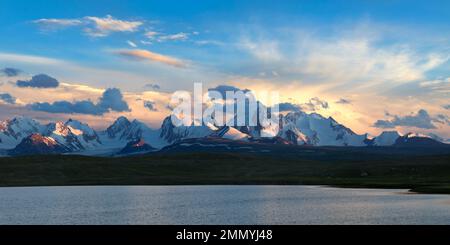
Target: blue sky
x: 393, y: 52
x: 215, y: 20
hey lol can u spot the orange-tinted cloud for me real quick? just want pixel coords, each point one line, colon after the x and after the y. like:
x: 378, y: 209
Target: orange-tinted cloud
x: 142, y: 54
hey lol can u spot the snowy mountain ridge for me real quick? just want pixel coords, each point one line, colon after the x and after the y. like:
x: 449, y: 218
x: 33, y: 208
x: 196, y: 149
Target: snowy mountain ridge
x: 72, y: 136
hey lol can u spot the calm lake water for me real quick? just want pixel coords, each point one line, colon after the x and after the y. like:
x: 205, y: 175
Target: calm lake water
x: 218, y: 205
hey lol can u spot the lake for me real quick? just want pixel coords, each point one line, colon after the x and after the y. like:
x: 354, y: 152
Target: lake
x: 219, y: 205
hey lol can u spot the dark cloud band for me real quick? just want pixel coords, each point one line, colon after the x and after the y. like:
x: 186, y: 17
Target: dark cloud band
x: 111, y: 100
x: 10, y: 72
x: 39, y: 81
x: 150, y: 105
x: 420, y: 120
x: 7, y: 98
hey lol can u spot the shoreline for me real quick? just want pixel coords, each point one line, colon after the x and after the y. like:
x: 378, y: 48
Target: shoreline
x: 409, y: 191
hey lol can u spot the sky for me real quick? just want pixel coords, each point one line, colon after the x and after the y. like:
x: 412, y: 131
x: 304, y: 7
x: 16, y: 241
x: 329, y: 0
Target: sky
x: 372, y: 65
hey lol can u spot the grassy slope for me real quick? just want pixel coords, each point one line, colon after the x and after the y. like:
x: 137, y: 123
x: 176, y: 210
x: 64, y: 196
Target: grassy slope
x: 426, y: 174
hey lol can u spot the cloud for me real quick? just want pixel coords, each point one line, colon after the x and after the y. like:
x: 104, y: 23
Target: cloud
x: 80, y: 107
x: 438, y: 85
x: 150, y: 105
x: 181, y: 36
x: 209, y: 42
x: 94, y: 26
x: 315, y: 104
x: 104, y: 26
x: 420, y: 120
x: 39, y: 81
x: 222, y: 89
x: 359, y: 61
x: 443, y: 119
x: 344, y: 58
x: 264, y: 50
x: 141, y: 54
x: 152, y: 86
x: 28, y: 59
x: 72, y: 93
x: 56, y: 24
x: 7, y: 98
x: 170, y: 107
x: 10, y: 72
x: 111, y: 100
x: 343, y: 101
x: 153, y: 35
x: 145, y: 42
x: 286, y: 106
x: 76, y: 71
x: 132, y: 44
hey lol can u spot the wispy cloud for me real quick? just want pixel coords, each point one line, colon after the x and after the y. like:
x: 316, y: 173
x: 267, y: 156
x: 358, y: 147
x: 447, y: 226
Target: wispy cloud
x: 145, y: 55
x: 56, y: 24
x: 144, y: 42
x: 181, y: 36
x: 94, y: 26
x: 361, y: 63
x: 443, y: 119
x: 264, y: 50
x: 132, y: 44
x: 68, y: 71
x: 343, y: 101
x: 151, y: 34
x: 152, y: 86
x: 315, y: 104
x: 348, y: 59
x: 438, y: 85
x: 106, y: 25
x: 23, y: 58
x: 209, y: 42
x: 161, y: 37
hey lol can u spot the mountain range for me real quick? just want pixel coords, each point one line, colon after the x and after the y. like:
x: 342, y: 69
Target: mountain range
x: 25, y: 136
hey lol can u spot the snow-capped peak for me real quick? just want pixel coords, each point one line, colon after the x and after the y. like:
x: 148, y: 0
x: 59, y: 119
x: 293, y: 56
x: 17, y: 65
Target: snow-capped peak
x: 14, y: 130
x: 59, y: 128
x: 171, y: 133
x: 37, y: 138
x: 321, y: 131
x: 73, y: 134
x: 38, y: 144
x: 411, y: 135
x: 20, y: 125
x: 121, y: 123
x: 231, y: 133
x: 386, y: 138
x: 78, y: 127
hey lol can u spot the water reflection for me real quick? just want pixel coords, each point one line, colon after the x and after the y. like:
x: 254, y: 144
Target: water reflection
x: 218, y: 205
